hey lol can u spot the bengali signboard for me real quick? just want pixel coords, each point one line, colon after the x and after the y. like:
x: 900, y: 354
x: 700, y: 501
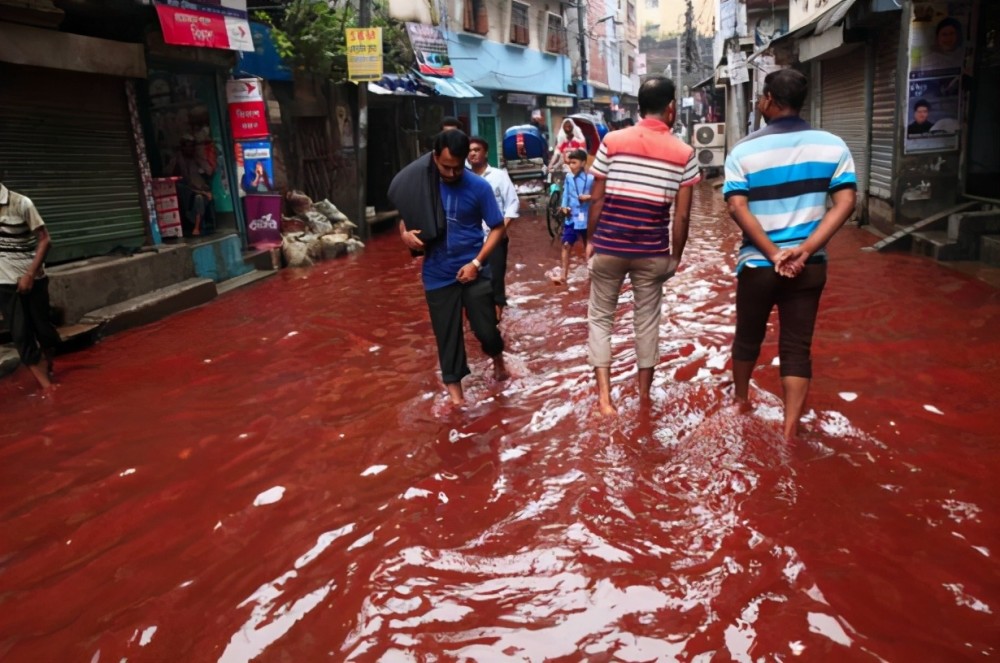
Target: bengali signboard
x: 247, y: 111
x: 364, y: 54
x: 223, y: 26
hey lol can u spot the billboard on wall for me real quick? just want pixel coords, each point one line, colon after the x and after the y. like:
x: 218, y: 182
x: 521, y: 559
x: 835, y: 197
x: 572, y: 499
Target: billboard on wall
x: 430, y: 49
x: 804, y: 12
x: 247, y: 111
x: 364, y: 54
x: 938, y: 49
x: 223, y: 25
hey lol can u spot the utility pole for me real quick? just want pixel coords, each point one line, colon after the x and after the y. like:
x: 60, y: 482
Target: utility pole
x: 364, y: 229
x: 581, y: 26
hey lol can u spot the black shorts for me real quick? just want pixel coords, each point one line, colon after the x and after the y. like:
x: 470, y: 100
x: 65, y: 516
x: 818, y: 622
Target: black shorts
x: 758, y: 290
x: 27, y: 317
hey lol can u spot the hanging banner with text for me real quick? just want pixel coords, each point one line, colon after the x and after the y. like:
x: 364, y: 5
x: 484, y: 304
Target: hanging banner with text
x: 430, y: 50
x: 364, y: 54
x: 247, y: 111
x: 222, y: 26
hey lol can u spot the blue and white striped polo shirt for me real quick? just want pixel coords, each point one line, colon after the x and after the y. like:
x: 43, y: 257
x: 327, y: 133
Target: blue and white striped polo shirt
x: 786, y: 171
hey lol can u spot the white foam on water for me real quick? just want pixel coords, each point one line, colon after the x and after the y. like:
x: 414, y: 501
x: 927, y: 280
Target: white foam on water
x: 291, y: 334
x: 269, y: 496
x: 828, y: 627
x: 848, y: 396
x: 362, y: 542
x: 965, y: 599
x: 511, y: 454
x: 415, y: 492
x: 933, y: 410
x: 127, y: 472
x: 375, y: 348
x: 796, y: 647
x: 442, y: 497
x: 322, y: 543
x: 373, y: 470
x: 147, y: 636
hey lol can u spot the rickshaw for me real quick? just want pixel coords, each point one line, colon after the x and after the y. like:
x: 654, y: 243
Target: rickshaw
x: 524, y: 152
x: 593, y: 132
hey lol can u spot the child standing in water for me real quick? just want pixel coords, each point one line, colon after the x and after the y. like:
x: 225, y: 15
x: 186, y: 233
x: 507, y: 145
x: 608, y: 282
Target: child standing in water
x: 576, y: 206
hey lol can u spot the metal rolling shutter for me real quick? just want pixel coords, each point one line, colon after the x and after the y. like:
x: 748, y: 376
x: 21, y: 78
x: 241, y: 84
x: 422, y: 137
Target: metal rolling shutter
x: 65, y: 142
x: 884, y: 113
x: 843, y: 108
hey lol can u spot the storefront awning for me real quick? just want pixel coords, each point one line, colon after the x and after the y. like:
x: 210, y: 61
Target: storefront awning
x: 451, y: 87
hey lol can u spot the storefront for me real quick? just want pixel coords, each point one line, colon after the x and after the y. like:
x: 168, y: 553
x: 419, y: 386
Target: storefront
x: 66, y: 137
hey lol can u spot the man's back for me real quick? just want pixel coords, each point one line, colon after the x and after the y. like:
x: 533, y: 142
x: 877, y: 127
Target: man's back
x: 644, y: 166
x: 786, y: 171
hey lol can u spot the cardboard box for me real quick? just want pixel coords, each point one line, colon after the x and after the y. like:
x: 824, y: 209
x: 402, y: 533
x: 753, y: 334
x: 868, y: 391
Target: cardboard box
x: 164, y: 186
x: 170, y: 224
x: 167, y: 204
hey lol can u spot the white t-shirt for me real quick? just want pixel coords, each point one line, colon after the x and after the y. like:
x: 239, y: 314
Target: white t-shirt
x: 504, y: 191
x: 18, y: 222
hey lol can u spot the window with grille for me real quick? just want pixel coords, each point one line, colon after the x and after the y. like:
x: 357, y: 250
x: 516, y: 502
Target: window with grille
x: 475, y: 17
x: 519, y: 23
x: 555, y: 35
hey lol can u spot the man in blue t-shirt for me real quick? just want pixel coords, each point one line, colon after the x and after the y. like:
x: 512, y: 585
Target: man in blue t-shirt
x: 454, y: 274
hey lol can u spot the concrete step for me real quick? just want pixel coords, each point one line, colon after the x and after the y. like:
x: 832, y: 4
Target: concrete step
x: 989, y: 250
x: 152, y: 306
x: 936, y: 244
x: 218, y: 257
x: 263, y: 259
x: 9, y: 360
x: 246, y: 279
x: 974, y: 223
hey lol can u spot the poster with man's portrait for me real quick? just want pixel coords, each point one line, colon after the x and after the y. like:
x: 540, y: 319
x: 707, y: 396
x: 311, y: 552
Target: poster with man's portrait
x: 938, y: 47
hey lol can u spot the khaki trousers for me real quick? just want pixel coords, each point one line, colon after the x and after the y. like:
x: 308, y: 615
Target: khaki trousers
x: 607, y: 273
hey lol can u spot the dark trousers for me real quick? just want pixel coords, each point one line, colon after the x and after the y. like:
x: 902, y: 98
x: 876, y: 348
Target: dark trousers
x: 445, y: 306
x: 498, y: 272
x: 27, y: 316
x: 758, y: 290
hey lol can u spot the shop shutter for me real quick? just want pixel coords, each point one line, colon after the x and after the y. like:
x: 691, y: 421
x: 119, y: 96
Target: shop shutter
x: 884, y: 113
x: 66, y: 143
x: 843, y: 108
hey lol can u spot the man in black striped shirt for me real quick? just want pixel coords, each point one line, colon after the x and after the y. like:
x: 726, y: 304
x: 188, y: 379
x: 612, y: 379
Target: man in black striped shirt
x: 24, y: 287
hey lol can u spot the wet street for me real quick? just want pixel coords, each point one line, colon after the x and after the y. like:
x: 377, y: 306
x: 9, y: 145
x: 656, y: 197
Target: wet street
x: 276, y: 476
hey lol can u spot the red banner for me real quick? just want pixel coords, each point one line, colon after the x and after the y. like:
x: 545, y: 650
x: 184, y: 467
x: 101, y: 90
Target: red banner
x: 248, y: 120
x: 204, y: 29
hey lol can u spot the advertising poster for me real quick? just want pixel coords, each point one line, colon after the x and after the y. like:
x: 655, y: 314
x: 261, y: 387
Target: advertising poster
x: 364, y: 54
x: 210, y: 25
x: 938, y: 45
x: 255, y: 167
x: 263, y: 216
x: 430, y: 49
x: 247, y: 111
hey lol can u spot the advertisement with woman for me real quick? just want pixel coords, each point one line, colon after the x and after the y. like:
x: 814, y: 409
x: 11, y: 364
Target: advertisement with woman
x: 938, y: 48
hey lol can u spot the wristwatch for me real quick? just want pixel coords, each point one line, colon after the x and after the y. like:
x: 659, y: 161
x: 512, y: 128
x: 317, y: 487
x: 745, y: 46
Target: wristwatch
x: 475, y: 261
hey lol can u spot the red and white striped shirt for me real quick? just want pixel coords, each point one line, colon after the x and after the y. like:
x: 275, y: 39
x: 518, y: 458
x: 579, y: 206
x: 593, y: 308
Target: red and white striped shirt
x: 643, y: 166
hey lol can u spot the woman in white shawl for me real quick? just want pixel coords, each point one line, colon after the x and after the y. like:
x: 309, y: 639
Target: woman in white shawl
x: 569, y: 138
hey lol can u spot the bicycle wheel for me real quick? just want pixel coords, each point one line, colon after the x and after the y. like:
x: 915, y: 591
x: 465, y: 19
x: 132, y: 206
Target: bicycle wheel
x: 552, y: 217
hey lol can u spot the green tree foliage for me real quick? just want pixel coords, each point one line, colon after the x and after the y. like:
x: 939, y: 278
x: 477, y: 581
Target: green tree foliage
x: 311, y: 37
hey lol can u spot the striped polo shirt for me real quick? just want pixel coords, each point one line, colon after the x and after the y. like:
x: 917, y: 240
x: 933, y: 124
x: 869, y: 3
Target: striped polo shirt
x: 786, y: 171
x: 643, y: 167
x: 18, y: 222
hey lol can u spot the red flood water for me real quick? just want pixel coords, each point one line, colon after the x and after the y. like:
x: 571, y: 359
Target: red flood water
x: 276, y: 476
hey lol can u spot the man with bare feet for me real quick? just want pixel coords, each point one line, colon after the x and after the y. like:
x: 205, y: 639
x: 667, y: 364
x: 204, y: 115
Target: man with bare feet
x: 640, y: 174
x: 455, y: 276
x: 24, y: 287
x: 777, y: 182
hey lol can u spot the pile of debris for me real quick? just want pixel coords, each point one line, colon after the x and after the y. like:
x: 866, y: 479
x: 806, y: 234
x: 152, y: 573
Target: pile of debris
x: 317, y: 231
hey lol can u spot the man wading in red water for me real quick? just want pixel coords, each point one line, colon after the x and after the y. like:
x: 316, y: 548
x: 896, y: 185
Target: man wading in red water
x: 24, y: 287
x: 443, y: 209
x: 777, y: 181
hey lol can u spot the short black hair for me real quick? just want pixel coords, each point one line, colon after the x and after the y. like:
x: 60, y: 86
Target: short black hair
x: 452, y: 122
x: 455, y: 142
x: 655, y: 94
x: 787, y: 87
x: 481, y: 141
x: 578, y: 154
x: 948, y: 22
x: 922, y: 103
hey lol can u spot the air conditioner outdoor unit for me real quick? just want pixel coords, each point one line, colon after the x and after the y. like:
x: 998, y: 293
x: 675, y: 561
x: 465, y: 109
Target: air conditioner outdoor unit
x: 709, y: 135
x: 711, y: 157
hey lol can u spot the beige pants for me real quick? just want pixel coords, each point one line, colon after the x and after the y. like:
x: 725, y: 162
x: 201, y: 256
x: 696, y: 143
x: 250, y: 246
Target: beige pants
x: 607, y: 273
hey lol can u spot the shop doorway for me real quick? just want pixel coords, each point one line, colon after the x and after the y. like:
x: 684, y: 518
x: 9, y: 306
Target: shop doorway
x: 383, y: 156
x: 983, y: 160
x: 487, y: 128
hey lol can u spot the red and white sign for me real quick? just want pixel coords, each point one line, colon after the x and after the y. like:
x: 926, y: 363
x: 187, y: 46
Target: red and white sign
x: 206, y: 27
x: 247, y: 110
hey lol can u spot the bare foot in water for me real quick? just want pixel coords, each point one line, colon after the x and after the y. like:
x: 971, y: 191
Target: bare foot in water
x: 455, y: 393
x: 606, y: 409
x: 499, y: 369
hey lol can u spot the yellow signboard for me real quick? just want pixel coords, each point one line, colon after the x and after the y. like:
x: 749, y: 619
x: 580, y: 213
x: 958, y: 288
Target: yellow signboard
x: 364, y: 54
